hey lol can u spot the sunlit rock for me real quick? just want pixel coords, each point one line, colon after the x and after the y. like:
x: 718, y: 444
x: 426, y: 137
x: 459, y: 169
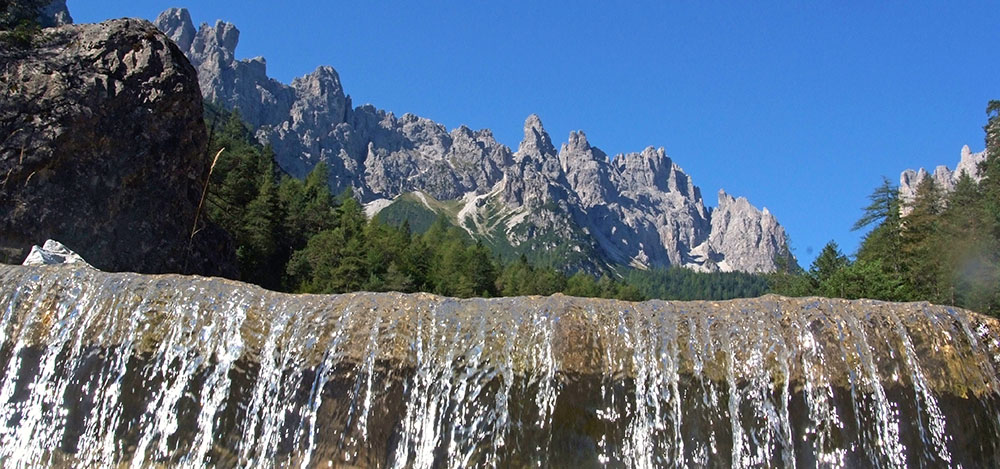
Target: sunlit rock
x: 52, y: 253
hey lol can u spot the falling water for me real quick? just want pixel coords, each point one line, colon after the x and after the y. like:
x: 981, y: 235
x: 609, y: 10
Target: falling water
x: 125, y: 370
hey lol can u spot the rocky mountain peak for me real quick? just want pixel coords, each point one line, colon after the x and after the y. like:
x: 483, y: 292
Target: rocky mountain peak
x: 587, y: 171
x: 649, y: 159
x: 744, y: 238
x: 969, y: 163
x: 55, y: 14
x: 725, y: 199
x: 533, y: 122
x: 325, y: 78
x: 223, y: 37
x: 322, y: 86
x: 577, y: 142
x: 649, y: 168
x: 536, y: 142
x: 177, y: 25
x: 577, y: 154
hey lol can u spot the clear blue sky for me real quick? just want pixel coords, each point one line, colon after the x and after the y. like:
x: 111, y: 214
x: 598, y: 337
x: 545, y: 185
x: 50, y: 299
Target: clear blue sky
x: 801, y: 107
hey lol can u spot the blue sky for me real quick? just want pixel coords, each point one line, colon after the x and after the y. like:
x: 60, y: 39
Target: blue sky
x: 801, y: 107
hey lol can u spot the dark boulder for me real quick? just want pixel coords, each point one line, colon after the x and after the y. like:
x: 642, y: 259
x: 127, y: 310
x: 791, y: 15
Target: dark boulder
x: 103, y: 147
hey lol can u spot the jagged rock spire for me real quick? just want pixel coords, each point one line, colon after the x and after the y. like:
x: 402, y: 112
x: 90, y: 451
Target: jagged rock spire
x: 536, y: 140
x: 176, y: 24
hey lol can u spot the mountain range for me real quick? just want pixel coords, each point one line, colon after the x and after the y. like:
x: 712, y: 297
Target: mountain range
x: 574, y: 206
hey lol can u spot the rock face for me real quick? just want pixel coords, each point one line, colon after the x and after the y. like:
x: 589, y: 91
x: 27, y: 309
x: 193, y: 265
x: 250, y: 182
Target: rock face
x: 744, y: 238
x: 637, y: 209
x: 55, y: 14
x: 102, y: 147
x: 944, y: 178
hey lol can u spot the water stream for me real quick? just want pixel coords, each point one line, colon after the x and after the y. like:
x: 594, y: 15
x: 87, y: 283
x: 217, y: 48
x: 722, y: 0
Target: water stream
x: 126, y: 370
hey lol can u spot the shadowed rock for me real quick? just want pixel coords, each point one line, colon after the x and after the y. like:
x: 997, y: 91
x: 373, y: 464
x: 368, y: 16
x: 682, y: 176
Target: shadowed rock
x: 102, y: 146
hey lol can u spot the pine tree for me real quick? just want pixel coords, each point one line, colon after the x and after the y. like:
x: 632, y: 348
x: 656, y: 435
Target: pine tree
x: 920, y: 236
x: 395, y: 279
x: 312, y: 269
x: 517, y: 278
x: 415, y: 263
x: 260, y: 254
x: 581, y: 284
x: 308, y: 206
x: 884, y: 242
x: 990, y: 168
x: 481, y: 270
x: 867, y: 279
x: 350, y: 214
x: 988, y: 267
x: 963, y: 234
x: 829, y: 261
x: 884, y: 206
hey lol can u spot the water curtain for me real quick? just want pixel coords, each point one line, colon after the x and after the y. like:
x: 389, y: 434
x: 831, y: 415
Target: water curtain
x: 127, y: 370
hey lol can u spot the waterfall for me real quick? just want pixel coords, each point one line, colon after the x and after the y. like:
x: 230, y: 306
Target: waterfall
x: 127, y: 370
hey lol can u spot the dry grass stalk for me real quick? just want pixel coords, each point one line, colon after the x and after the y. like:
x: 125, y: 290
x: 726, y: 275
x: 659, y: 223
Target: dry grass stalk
x: 197, y: 214
x: 204, y: 192
x: 20, y: 161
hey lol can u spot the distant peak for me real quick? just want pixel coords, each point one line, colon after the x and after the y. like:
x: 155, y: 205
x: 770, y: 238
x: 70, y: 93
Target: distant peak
x: 725, y: 198
x: 326, y: 70
x: 533, y: 122
x: 324, y: 81
x: 54, y: 14
x: 179, y: 13
x: 177, y: 25
x: 327, y: 74
x: 654, y: 153
x: 578, y: 141
x: 226, y: 35
x: 536, y: 139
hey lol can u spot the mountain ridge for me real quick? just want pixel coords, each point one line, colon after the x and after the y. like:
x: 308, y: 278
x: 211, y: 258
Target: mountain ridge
x: 638, y: 209
x: 944, y: 177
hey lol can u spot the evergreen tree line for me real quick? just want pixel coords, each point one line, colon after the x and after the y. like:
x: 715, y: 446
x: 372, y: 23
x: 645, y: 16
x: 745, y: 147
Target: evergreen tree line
x: 294, y: 235
x: 678, y: 283
x: 946, y: 249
